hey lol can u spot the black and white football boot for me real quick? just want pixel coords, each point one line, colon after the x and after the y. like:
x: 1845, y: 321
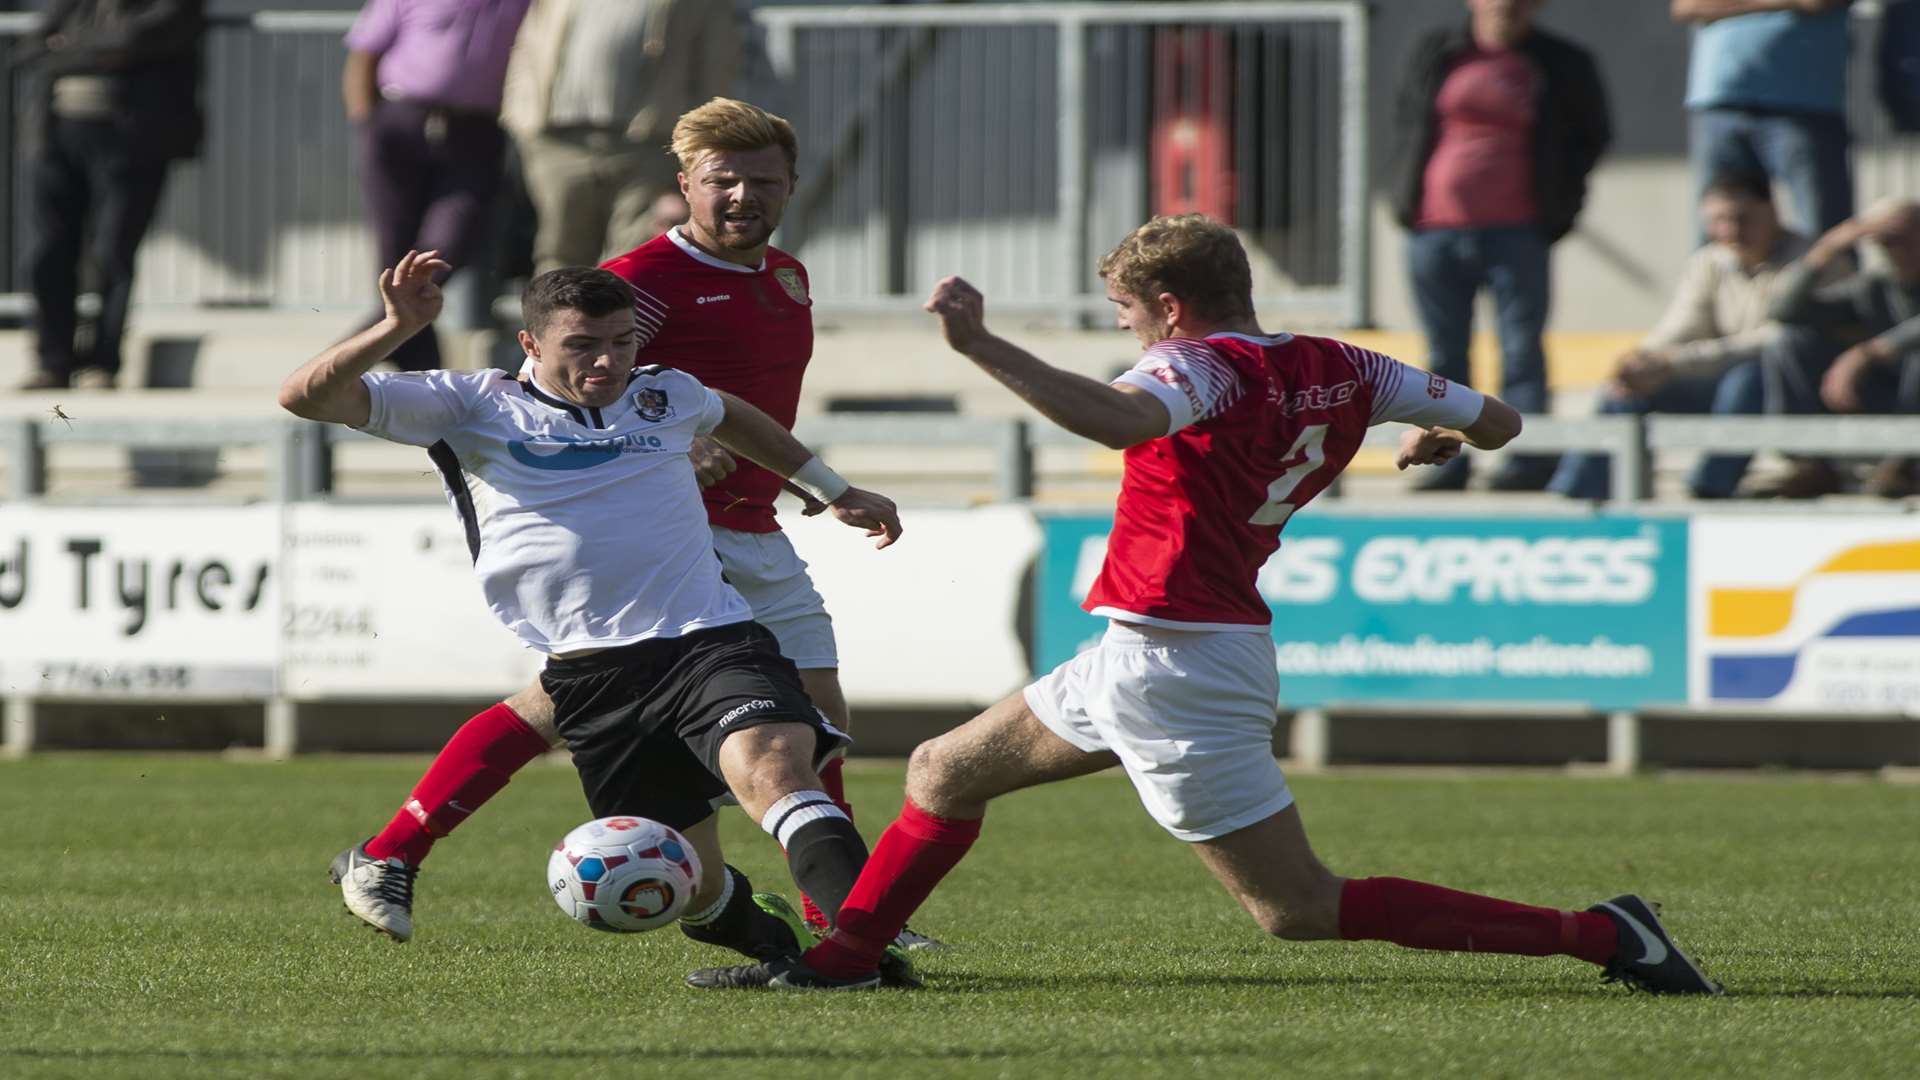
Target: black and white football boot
x: 1648, y: 959
x: 788, y: 973
x: 378, y: 891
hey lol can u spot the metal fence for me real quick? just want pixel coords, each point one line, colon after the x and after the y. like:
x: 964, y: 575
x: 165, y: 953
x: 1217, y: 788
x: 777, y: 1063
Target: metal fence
x: 269, y: 214
x: 1007, y: 142
x: 300, y: 459
x: 1011, y: 143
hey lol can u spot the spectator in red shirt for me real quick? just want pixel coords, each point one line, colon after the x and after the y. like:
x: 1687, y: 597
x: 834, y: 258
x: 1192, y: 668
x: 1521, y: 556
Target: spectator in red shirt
x: 1497, y: 126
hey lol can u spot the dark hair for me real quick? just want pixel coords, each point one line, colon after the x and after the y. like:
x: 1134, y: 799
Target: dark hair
x: 1740, y: 184
x: 586, y: 289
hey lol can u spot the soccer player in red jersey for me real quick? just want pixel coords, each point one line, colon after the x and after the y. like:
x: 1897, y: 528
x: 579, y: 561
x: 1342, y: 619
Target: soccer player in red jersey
x: 715, y: 299
x: 1228, y: 430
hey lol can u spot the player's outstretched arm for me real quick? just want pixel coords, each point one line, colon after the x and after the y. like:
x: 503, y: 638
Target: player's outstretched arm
x: 1495, y: 427
x: 1116, y: 417
x: 328, y: 387
x: 759, y: 438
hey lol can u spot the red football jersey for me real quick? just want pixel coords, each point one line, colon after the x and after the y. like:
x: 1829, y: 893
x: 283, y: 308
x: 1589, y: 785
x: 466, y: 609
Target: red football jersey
x: 1260, y: 425
x: 735, y: 328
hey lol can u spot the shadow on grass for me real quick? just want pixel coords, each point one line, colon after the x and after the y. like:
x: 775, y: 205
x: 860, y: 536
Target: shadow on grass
x: 959, y: 983
x: 887, y: 1052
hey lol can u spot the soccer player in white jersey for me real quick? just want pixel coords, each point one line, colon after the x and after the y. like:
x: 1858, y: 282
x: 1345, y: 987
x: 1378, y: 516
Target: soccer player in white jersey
x: 588, y: 535
x: 1227, y: 431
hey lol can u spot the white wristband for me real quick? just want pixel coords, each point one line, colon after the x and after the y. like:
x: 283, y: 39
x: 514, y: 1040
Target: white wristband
x: 819, y: 481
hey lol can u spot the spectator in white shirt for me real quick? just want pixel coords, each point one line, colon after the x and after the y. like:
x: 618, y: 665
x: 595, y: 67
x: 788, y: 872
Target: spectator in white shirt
x: 1703, y: 356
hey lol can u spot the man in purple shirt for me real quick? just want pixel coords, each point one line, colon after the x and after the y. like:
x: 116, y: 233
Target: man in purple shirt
x: 422, y: 88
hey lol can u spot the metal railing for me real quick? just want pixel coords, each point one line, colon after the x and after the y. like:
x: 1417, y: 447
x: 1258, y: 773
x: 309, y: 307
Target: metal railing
x: 301, y: 462
x: 1013, y: 142
x: 270, y: 213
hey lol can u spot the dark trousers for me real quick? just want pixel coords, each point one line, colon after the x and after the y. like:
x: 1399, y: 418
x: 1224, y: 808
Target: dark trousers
x: 1807, y: 152
x: 1448, y: 268
x: 1798, y: 360
x: 83, y: 172
x: 429, y: 179
x: 1740, y: 391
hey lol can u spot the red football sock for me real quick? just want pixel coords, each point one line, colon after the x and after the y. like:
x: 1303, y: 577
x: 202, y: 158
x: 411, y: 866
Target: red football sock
x: 915, y: 852
x: 835, y: 786
x: 474, y: 765
x: 1423, y: 916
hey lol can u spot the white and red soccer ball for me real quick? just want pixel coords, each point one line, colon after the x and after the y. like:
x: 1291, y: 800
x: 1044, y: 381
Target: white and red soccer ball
x: 623, y: 874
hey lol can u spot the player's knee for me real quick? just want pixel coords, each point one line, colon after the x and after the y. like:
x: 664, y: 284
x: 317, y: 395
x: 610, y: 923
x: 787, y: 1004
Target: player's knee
x: 933, y: 772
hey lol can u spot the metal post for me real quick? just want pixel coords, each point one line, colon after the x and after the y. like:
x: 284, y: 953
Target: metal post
x: 1623, y: 742
x: 1013, y: 463
x: 313, y: 465
x: 1629, y: 464
x: 1310, y: 744
x: 284, y: 479
x: 1072, y: 123
x: 22, y: 729
x: 26, y: 458
x: 282, y: 738
x: 1356, y: 254
x: 780, y: 48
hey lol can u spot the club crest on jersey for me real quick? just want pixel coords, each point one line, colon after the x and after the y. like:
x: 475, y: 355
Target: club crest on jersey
x: 790, y: 280
x: 651, y: 404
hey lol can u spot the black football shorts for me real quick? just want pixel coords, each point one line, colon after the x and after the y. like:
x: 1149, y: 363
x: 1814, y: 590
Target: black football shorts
x: 645, y: 721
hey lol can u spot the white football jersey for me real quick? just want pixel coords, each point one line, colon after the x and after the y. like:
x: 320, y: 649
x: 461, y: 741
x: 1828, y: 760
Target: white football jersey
x: 586, y: 525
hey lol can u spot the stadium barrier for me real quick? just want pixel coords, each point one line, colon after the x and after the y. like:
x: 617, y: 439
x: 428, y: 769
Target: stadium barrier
x: 1010, y: 142
x: 1633, y: 612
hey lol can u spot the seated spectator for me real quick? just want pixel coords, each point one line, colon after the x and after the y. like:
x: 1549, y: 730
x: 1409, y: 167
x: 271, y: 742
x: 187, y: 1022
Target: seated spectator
x: 1871, y: 319
x: 1704, y: 355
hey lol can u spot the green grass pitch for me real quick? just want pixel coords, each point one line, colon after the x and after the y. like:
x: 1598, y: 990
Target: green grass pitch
x: 170, y: 916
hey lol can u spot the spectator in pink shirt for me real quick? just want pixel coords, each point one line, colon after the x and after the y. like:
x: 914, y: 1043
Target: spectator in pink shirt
x: 1497, y: 125
x: 422, y: 88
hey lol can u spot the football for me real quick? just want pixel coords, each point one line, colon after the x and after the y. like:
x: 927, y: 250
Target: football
x: 623, y: 874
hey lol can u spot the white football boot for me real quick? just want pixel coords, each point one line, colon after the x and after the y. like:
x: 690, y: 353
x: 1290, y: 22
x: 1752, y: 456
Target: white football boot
x: 379, y: 891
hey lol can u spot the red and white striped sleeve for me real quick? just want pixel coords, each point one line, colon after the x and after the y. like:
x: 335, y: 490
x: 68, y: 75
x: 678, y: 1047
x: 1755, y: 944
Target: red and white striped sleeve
x: 649, y: 313
x: 1409, y: 395
x: 1188, y: 377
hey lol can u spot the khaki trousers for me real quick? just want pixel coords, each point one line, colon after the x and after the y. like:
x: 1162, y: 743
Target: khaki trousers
x: 593, y: 193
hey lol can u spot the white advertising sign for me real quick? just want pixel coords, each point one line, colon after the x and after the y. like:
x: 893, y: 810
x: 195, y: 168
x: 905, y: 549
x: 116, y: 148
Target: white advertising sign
x: 1810, y: 614
x: 337, y: 601
x: 172, y: 601
x: 931, y: 620
x: 383, y: 601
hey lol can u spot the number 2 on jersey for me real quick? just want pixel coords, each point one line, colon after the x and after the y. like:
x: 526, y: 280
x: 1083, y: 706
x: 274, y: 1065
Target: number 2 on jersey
x: 1305, y: 459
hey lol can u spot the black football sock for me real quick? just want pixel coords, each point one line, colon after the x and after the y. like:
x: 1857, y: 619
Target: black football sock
x: 824, y: 851
x: 735, y: 922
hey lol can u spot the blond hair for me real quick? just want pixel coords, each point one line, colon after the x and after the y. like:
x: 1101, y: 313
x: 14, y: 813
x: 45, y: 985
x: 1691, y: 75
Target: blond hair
x: 724, y: 124
x: 1191, y: 256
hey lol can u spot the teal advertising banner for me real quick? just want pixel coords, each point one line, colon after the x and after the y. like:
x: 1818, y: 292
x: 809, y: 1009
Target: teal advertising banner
x: 1587, y: 610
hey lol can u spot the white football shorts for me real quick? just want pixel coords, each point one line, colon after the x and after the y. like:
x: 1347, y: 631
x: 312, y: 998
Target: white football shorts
x: 1190, y: 715
x: 766, y: 570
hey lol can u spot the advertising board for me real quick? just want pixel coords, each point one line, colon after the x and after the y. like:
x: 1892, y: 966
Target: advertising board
x: 149, y: 602
x: 1818, y: 615
x: 1588, y: 610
